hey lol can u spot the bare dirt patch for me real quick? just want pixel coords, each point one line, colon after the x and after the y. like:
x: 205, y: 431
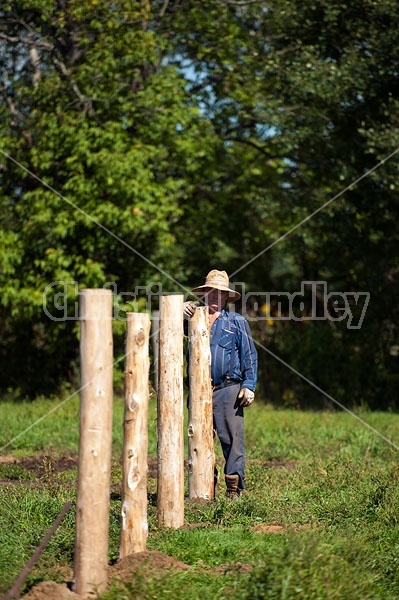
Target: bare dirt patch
x: 192, y: 526
x: 51, y: 591
x: 35, y: 471
x: 45, y: 464
x: 149, y: 564
x: 42, y: 464
x: 9, y: 459
x: 279, y: 527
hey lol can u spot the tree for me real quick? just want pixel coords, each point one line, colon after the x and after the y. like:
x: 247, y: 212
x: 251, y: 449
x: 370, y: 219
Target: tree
x: 100, y: 149
x: 304, y: 96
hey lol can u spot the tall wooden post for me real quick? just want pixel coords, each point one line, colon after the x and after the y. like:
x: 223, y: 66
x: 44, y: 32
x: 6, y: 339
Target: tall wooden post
x: 170, y: 503
x: 201, y: 458
x: 95, y: 444
x: 155, y: 346
x: 135, y: 436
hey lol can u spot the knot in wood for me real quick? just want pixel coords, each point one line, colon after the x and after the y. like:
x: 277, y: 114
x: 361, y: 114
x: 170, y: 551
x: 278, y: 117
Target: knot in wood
x: 133, y: 402
x: 140, y: 337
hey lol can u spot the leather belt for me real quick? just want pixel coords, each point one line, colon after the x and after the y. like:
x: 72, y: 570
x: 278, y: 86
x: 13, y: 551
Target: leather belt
x: 225, y: 384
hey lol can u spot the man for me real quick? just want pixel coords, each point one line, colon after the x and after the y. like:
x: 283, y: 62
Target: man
x: 234, y: 363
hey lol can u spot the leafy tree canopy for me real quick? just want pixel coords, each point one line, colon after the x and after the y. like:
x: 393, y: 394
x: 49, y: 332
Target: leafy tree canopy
x: 199, y: 133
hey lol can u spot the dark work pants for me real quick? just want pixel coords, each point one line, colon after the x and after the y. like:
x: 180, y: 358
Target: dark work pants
x: 228, y: 420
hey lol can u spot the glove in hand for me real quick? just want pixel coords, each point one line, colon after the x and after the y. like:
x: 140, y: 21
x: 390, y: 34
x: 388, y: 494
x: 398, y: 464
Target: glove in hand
x: 189, y: 309
x: 246, y: 397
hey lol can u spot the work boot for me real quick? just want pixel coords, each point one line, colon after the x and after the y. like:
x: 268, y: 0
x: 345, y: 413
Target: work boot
x: 232, y: 489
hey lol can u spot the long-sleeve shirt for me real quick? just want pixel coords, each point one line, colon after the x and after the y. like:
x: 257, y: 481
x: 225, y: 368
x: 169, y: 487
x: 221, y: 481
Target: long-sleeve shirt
x: 233, y: 353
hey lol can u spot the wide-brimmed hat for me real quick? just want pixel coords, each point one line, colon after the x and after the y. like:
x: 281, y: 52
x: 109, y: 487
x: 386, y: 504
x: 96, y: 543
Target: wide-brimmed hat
x: 218, y: 280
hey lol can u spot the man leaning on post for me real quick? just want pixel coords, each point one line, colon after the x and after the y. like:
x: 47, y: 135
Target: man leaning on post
x: 234, y: 363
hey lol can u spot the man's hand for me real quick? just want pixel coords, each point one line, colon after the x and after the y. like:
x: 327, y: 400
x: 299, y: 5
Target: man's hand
x: 246, y: 397
x: 189, y: 309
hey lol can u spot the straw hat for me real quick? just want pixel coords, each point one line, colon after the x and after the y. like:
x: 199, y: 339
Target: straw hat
x: 218, y: 280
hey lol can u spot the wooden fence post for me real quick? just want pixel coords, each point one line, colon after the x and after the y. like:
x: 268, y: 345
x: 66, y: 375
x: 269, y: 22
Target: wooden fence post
x: 95, y: 444
x: 155, y: 346
x: 201, y: 458
x: 170, y: 501
x: 135, y: 439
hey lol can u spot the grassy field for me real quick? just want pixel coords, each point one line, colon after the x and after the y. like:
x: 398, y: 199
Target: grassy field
x: 319, y: 518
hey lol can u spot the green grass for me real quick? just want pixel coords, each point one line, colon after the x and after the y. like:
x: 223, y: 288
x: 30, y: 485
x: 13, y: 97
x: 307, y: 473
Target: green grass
x: 328, y: 478
x: 54, y: 423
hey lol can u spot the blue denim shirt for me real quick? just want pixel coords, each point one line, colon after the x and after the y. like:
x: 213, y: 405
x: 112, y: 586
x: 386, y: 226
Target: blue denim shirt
x: 233, y: 353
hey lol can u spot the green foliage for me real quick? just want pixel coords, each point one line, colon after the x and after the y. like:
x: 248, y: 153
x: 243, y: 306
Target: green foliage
x: 184, y: 136
x: 303, y: 96
x: 110, y: 149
